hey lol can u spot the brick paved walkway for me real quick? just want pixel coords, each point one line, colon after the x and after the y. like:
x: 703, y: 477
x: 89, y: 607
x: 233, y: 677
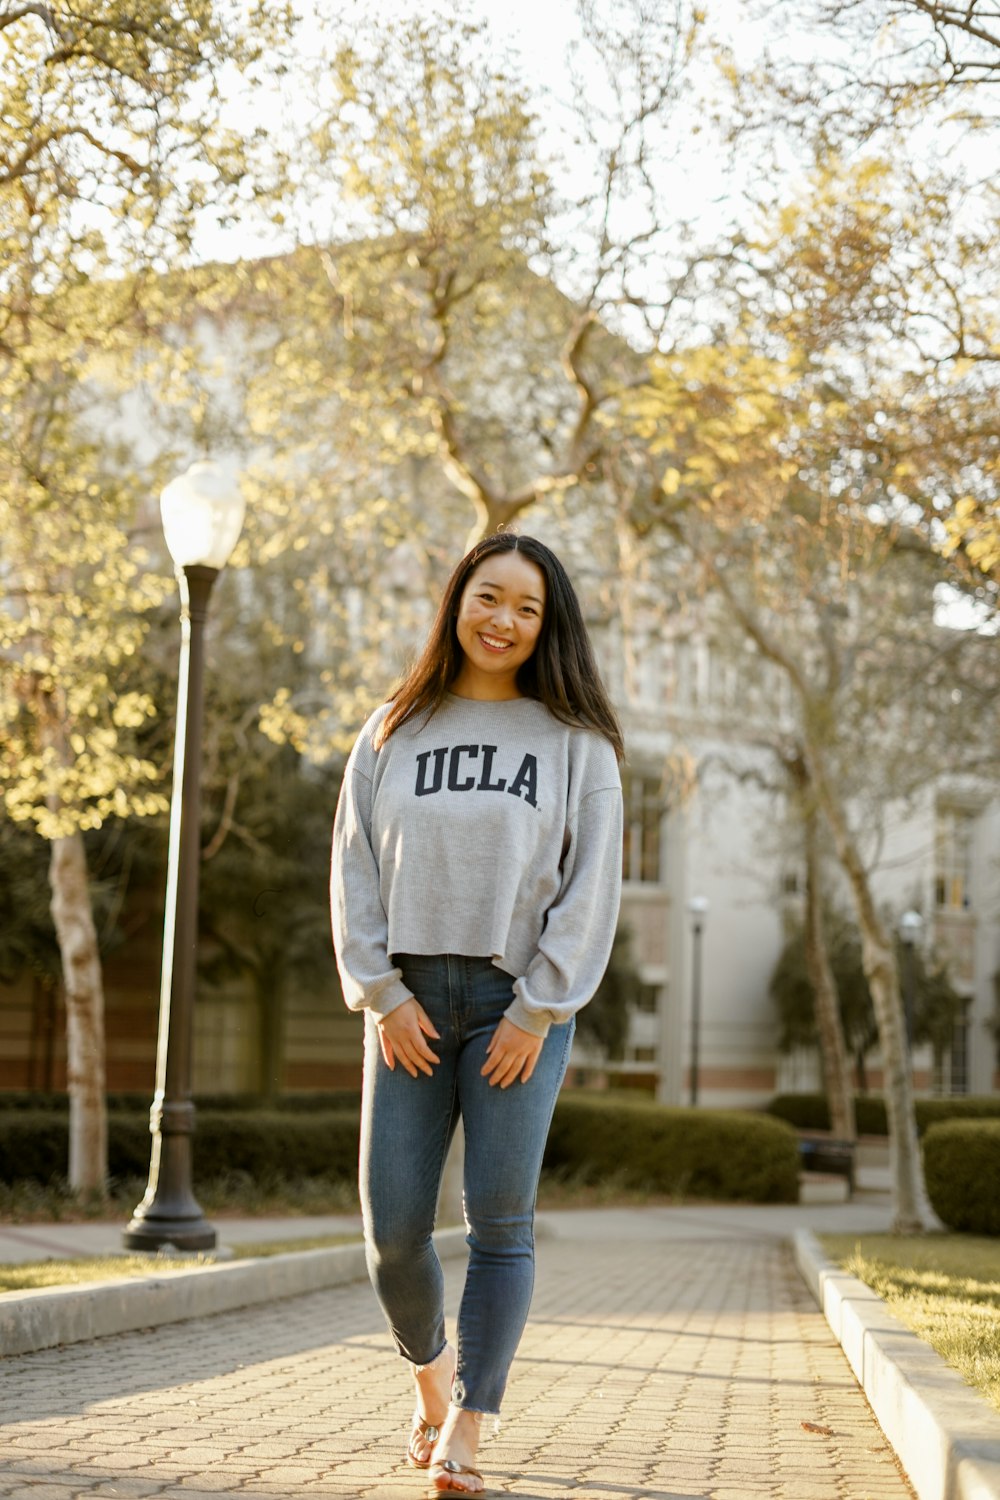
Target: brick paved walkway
x: 653, y: 1368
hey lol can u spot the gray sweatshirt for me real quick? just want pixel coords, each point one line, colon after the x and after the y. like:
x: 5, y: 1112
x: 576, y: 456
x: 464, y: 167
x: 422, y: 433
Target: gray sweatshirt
x: 486, y: 829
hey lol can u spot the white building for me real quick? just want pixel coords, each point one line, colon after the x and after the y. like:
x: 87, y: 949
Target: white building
x: 725, y: 837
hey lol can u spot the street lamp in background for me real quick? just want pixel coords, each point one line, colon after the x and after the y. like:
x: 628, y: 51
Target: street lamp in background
x: 697, y: 909
x: 202, y: 516
x: 910, y: 926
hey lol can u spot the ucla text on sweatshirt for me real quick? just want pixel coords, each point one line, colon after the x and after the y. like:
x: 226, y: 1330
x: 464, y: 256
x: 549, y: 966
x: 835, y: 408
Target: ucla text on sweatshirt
x: 486, y: 829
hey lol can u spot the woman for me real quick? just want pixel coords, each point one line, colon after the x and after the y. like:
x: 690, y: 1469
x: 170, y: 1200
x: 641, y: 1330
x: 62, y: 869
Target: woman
x: 475, y: 887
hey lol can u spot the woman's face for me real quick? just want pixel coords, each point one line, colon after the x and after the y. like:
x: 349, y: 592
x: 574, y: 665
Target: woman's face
x: 499, y: 620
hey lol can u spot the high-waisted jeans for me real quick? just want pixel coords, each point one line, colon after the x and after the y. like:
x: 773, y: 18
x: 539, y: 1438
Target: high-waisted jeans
x: 406, y: 1126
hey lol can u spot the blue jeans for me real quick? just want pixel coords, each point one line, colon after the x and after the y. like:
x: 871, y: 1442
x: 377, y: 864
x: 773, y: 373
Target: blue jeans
x: 406, y: 1126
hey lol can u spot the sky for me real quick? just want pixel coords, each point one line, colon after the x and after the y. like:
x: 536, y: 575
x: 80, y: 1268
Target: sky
x: 539, y: 33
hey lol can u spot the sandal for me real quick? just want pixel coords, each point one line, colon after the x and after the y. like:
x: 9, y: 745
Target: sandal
x: 430, y: 1434
x: 422, y: 1426
x: 441, y: 1483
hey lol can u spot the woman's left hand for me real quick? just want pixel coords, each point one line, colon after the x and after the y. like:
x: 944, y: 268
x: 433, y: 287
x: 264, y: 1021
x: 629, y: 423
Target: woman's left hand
x: 511, y: 1054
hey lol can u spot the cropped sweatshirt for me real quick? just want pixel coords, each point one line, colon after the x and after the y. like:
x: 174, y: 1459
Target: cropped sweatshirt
x: 485, y: 829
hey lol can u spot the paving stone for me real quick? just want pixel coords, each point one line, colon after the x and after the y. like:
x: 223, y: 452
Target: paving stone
x: 652, y: 1369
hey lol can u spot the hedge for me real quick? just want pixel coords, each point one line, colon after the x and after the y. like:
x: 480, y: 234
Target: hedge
x: 812, y: 1112
x: 710, y: 1154
x: 962, y: 1172
x: 725, y: 1155
x: 964, y: 1107
x: 34, y: 1145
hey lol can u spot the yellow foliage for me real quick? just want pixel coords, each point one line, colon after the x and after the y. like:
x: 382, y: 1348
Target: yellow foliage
x: 974, y: 529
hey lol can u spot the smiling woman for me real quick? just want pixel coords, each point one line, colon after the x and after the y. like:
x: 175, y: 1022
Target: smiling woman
x: 475, y: 885
x: 499, y: 619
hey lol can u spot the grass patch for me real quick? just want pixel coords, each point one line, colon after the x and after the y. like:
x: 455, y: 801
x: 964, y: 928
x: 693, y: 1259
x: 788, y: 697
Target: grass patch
x: 257, y: 1248
x: 31, y: 1276
x: 944, y: 1287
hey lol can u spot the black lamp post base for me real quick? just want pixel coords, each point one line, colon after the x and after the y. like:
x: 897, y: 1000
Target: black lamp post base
x: 182, y: 1234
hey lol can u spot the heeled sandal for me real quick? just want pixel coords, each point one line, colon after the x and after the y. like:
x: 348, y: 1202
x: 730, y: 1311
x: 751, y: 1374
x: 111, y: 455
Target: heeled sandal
x: 441, y: 1483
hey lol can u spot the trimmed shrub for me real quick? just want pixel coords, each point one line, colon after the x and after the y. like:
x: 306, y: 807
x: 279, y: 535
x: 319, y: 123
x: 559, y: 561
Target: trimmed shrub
x: 331, y: 1101
x: 962, y: 1171
x: 128, y: 1144
x: 34, y: 1146
x: 962, y: 1107
x: 35, y: 1100
x: 804, y: 1111
x: 725, y: 1155
x: 268, y: 1144
x: 811, y: 1111
x: 870, y: 1116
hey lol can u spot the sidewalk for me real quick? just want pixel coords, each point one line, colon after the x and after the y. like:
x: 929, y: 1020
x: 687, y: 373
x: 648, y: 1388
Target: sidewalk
x: 867, y: 1213
x: 26, y: 1242
x: 672, y: 1354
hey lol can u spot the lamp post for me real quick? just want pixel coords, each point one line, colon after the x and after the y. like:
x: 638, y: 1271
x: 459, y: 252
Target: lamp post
x: 910, y: 926
x: 697, y: 909
x: 202, y: 515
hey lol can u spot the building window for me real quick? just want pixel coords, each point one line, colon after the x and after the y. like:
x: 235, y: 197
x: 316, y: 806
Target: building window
x: 681, y: 673
x: 953, y: 859
x: 960, y: 1059
x: 641, y: 852
x: 722, y: 677
x: 647, y: 999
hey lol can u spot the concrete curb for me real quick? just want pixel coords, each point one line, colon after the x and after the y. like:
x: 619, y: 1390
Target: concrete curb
x: 946, y: 1436
x: 69, y: 1315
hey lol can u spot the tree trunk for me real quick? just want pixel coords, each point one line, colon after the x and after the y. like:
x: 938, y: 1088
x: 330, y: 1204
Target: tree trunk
x: 910, y: 1208
x: 493, y: 514
x: 77, y: 936
x: 836, y: 1066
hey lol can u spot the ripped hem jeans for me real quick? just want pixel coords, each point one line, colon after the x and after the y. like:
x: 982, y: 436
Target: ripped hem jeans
x: 406, y: 1128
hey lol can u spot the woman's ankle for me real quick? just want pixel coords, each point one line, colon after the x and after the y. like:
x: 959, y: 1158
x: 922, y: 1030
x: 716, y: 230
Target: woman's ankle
x: 434, y: 1383
x: 461, y: 1429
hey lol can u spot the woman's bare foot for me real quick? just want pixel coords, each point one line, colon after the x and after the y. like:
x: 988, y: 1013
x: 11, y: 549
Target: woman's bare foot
x: 459, y: 1442
x: 433, y: 1393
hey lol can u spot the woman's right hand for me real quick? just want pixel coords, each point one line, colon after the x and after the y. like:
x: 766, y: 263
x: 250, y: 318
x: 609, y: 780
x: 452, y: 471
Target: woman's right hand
x: 402, y: 1034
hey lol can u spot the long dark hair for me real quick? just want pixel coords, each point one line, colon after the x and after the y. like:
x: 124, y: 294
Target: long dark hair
x: 561, y: 671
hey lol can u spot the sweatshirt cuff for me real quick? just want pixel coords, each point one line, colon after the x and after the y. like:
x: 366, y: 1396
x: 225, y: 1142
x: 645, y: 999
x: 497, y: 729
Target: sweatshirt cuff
x: 534, y: 1021
x: 389, y: 999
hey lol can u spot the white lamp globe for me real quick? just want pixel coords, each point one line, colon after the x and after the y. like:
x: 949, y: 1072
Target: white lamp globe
x: 202, y: 512
x: 910, y: 925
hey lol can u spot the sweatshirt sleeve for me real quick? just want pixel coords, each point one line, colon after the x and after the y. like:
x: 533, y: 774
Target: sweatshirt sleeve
x: 360, y: 928
x: 580, y: 926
